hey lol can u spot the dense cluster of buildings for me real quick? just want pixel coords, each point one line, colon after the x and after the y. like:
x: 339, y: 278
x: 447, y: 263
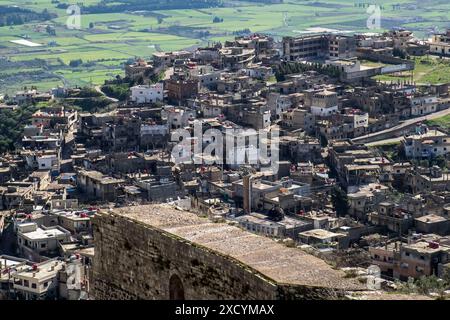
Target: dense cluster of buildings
x: 328, y: 187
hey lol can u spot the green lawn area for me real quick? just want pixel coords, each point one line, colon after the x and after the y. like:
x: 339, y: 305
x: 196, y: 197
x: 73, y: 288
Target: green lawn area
x: 372, y: 64
x: 443, y: 122
x: 87, y: 77
x: 428, y: 70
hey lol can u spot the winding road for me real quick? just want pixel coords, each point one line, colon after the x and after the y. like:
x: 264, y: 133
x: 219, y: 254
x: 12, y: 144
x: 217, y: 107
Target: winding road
x: 99, y: 90
x: 404, y: 125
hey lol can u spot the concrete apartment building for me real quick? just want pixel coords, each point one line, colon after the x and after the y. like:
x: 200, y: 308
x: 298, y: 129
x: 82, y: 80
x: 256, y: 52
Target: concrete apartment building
x: 96, y: 185
x: 140, y: 68
x: 322, y: 46
x: 36, y: 241
x: 39, y: 281
x: 305, y: 47
x: 431, y: 143
x: 324, y: 103
x: 423, y: 105
x: 147, y: 93
x: 261, y: 224
x: 180, y: 88
x: 440, y: 44
x: 167, y: 59
x: 421, y: 257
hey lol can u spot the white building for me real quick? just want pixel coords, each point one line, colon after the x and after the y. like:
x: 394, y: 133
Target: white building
x: 34, y: 240
x: 360, y: 120
x: 154, y: 129
x: 440, y: 44
x: 47, y: 162
x: 432, y: 143
x: 423, y: 105
x: 259, y: 72
x: 176, y: 117
x: 206, y: 75
x: 324, y: 103
x: 147, y: 93
x: 38, y: 282
x: 278, y: 103
x: 42, y: 160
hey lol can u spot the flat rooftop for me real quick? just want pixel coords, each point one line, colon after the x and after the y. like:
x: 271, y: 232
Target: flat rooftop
x: 100, y: 177
x: 431, y: 218
x: 321, y: 234
x: 429, y: 134
x: 40, y: 234
x: 45, y: 270
x: 262, y: 254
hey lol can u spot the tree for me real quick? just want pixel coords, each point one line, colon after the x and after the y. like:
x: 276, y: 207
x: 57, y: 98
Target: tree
x: 11, y: 126
x: 340, y: 201
x: 439, y: 161
x: 50, y: 30
x: 75, y: 63
x: 91, y: 25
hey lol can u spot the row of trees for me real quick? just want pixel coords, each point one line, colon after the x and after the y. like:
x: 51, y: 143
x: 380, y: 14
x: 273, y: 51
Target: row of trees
x: 286, y: 68
x: 118, y: 91
x: 10, y: 16
x: 119, y: 87
x: 426, y: 285
x: 144, y: 5
x: 12, y: 123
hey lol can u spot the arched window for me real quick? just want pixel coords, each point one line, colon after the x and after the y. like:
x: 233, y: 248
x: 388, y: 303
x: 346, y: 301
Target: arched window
x: 176, y: 290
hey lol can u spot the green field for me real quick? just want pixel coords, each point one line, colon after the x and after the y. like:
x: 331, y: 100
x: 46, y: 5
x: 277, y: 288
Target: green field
x: 443, y: 122
x: 117, y: 37
x: 428, y: 70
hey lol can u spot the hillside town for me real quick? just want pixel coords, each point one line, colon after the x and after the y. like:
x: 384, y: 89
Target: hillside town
x: 296, y: 141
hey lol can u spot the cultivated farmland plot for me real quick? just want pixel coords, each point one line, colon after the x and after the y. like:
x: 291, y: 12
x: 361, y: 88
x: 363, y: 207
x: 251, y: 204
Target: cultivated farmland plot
x: 105, y: 41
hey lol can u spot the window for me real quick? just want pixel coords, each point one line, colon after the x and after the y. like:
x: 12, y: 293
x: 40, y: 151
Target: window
x: 26, y: 283
x: 43, y: 245
x: 33, y: 285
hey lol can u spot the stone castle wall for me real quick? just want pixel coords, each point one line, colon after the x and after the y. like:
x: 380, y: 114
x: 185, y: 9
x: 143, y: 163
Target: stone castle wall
x: 134, y: 260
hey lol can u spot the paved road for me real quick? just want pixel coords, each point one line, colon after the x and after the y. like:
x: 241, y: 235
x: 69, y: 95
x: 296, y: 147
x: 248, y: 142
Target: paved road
x: 405, y: 124
x: 385, y: 142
